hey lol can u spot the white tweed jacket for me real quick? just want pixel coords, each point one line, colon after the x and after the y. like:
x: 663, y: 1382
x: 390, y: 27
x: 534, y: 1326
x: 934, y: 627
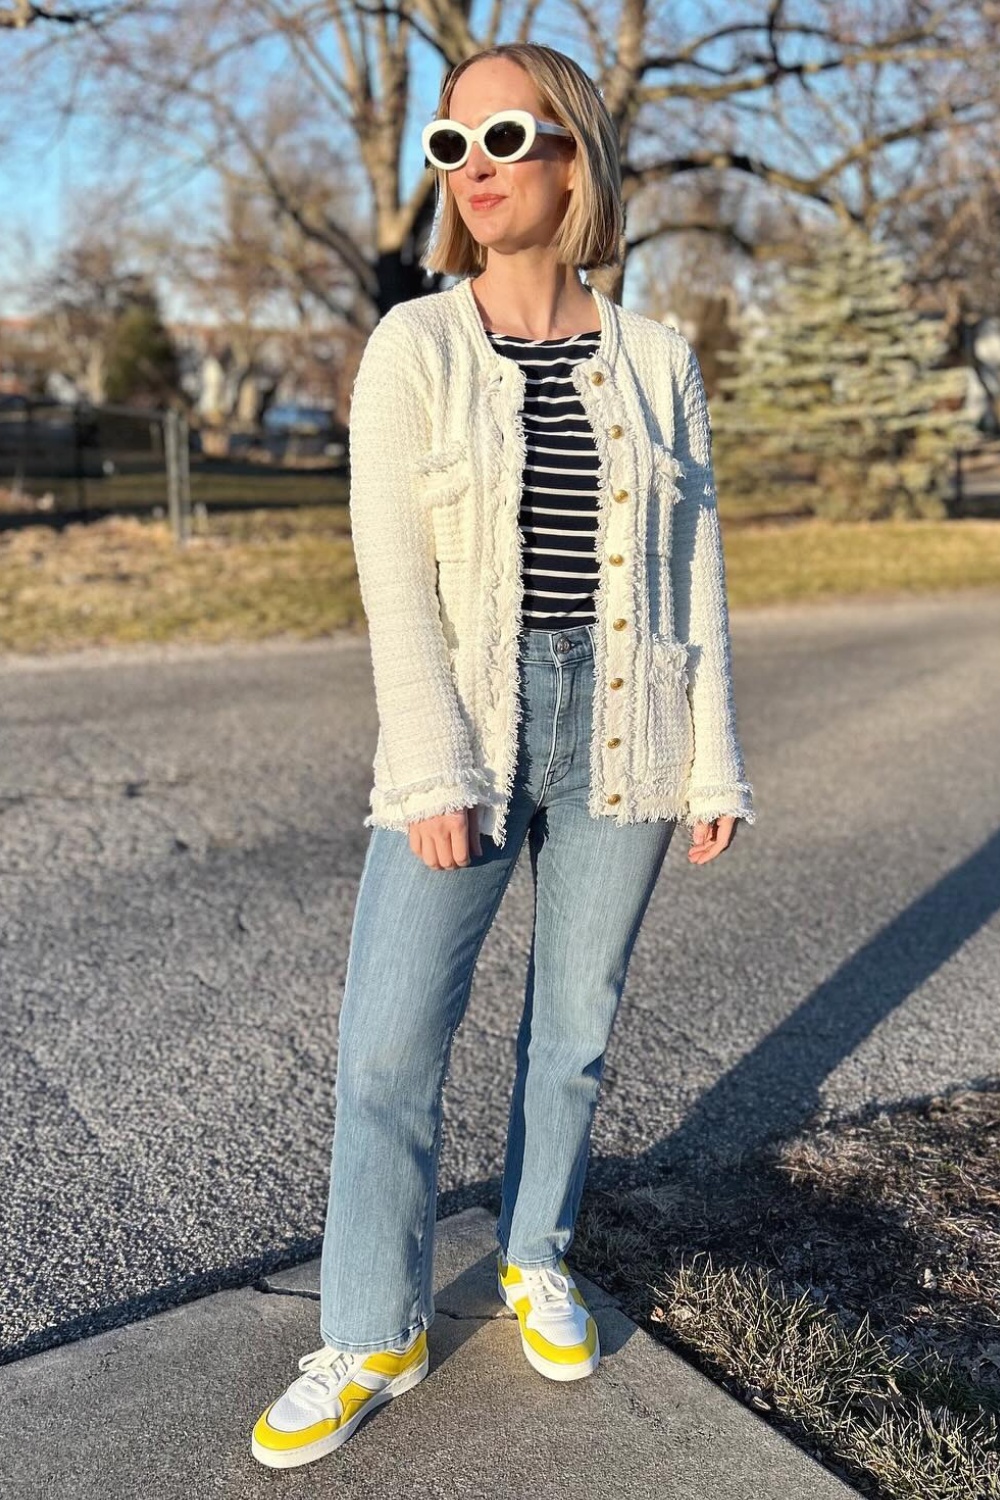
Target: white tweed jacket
x: 437, y: 451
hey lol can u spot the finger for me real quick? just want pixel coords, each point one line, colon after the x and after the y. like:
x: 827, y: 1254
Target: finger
x: 477, y: 847
x: 460, y: 841
x: 428, y: 850
x: 442, y: 848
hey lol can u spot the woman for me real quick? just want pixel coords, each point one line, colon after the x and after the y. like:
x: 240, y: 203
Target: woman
x: 538, y: 549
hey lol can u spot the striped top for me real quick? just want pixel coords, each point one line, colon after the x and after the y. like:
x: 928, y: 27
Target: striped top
x: 559, y: 499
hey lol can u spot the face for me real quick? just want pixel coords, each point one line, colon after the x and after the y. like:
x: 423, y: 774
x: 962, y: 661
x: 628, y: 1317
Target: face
x: 523, y: 203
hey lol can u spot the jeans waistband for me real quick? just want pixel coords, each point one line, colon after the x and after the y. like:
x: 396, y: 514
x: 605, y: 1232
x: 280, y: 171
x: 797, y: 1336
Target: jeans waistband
x: 559, y: 647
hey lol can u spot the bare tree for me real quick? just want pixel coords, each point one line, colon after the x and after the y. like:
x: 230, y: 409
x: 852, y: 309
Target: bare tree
x: 249, y: 274
x: 807, y: 104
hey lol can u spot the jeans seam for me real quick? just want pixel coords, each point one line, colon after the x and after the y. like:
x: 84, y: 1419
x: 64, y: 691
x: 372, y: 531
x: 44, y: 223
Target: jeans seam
x: 429, y: 1204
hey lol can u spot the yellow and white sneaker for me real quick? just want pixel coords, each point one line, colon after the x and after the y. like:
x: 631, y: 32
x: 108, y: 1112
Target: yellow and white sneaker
x: 321, y: 1408
x: 558, y: 1333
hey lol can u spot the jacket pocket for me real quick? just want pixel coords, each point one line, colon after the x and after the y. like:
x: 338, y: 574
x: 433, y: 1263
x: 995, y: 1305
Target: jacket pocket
x: 663, y: 496
x: 442, y: 481
x: 669, y: 727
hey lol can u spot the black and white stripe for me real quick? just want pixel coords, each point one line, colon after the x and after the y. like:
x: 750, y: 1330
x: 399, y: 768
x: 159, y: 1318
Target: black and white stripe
x: 559, y: 500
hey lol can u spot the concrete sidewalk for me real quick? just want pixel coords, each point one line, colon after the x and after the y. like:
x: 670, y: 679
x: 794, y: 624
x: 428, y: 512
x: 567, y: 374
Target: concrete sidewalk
x: 164, y: 1408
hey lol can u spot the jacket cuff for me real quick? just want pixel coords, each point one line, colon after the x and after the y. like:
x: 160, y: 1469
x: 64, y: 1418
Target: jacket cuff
x: 398, y: 807
x: 706, y: 803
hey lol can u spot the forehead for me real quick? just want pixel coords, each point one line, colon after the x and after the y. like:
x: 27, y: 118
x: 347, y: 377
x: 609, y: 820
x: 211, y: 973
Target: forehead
x: 488, y: 86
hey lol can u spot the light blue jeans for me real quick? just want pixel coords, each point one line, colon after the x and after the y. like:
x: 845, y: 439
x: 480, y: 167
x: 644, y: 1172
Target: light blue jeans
x: 415, y: 939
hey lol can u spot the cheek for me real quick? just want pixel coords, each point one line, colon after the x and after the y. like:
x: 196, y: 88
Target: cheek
x: 544, y: 181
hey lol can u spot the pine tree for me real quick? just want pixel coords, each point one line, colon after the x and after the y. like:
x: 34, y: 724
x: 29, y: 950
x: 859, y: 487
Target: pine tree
x: 141, y: 358
x: 837, y: 400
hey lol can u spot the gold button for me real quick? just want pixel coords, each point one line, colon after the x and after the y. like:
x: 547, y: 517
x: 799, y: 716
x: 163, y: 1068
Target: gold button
x: 615, y: 431
x: 616, y: 559
x: 613, y: 744
x: 616, y: 682
x: 614, y: 798
x: 597, y: 378
x: 619, y: 624
x: 621, y: 494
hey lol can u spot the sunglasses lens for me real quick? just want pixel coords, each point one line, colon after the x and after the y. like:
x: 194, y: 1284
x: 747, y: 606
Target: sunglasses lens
x: 505, y: 137
x: 447, y: 145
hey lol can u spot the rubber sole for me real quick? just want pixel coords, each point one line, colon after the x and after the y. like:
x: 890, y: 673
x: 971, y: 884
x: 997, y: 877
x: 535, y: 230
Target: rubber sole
x: 547, y: 1367
x: 293, y: 1458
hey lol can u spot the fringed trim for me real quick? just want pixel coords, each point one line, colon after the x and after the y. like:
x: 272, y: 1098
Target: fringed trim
x: 504, y: 386
x: 709, y: 815
x: 460, y: 777
x: 652, y: 810
x: 451, y: 804
x: 398, y: 807
x: 668, y: 467
x: 723, y: 788
x: 707, y: 803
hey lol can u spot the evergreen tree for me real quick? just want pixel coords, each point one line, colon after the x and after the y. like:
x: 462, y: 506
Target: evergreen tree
x: 141, y: 361
x: 838, y: 399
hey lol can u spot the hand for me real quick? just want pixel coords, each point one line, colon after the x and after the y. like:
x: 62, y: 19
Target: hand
x: 442, y: 842
x: 709, y: 839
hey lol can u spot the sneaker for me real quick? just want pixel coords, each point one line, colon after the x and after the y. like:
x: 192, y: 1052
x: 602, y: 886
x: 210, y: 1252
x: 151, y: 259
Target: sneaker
x: 321, y: 1408
x: 558, y: 1334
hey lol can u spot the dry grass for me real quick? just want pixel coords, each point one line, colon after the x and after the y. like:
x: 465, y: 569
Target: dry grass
x: 265, y: 573
x: 803, y: 560
x: 123, y: 580
x: 845, y: 1283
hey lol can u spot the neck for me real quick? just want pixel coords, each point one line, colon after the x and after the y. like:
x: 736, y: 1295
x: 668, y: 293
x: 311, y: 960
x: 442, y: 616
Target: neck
x: 533, y: 303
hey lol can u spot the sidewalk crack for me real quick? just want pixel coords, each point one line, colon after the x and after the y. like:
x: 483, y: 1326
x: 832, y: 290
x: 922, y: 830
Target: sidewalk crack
x: 263, y: 1285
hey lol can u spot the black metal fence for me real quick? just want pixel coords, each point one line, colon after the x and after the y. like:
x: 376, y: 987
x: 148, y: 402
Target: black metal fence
x: 62, y: 463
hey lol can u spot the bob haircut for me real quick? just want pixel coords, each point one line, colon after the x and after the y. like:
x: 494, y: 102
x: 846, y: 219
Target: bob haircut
x: 592, y: 227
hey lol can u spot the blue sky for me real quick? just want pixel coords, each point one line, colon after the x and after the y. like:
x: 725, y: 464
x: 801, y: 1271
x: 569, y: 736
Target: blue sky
x: 45, y: 167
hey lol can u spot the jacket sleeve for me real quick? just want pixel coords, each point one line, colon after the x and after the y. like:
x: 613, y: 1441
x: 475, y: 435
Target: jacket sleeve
x: 423, y: 761
x: 718, y: 784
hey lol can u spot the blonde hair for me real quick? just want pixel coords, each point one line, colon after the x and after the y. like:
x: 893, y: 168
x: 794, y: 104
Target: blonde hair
x: 592, y: 228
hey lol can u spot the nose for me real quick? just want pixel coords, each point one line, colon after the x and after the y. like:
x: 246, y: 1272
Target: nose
x: 478, y: 162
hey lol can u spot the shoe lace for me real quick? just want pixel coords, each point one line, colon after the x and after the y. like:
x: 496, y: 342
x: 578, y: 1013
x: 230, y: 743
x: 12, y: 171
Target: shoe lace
x: 325, y: 1368
x: 548, y: 1290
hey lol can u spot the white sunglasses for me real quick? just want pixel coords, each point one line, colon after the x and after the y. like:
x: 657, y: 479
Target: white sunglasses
x: 505, y: 136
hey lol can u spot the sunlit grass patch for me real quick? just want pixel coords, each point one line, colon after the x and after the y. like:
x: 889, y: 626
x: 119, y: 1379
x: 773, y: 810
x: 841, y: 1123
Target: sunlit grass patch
x: 846, y: 1284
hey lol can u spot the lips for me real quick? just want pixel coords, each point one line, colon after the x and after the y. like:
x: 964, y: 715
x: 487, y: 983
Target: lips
x: 487, y: 200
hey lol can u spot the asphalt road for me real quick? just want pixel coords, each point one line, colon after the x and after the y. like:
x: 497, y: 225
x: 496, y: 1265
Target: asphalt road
x: 180, y: 844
